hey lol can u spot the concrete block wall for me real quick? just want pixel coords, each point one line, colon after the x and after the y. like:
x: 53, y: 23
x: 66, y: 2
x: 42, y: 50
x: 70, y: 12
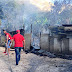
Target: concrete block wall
x: 27, y: 40
x: 44, y: 42
x: 61, y: 46
x: 70, y: 45
x: 57, y: 45
x: 51, y: 44
x: 65, y: 45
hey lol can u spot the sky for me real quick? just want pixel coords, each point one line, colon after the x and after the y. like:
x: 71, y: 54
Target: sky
x: 41, y: 4
x: 22, y: 1
x: 44, y: 5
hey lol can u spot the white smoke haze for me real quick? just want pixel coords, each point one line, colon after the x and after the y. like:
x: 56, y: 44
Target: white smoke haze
x: 39, y: 13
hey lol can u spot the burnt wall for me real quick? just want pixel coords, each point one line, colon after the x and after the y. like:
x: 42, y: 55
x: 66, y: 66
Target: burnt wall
x: 27, y: 40
x: 44, y: 42
x: 70, y: 45
x: 61, y: 46
x: 56, y: 45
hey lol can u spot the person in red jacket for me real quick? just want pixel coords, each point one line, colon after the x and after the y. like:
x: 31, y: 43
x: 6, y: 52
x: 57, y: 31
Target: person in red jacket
x: 19, y: 44
x: 8, y: 42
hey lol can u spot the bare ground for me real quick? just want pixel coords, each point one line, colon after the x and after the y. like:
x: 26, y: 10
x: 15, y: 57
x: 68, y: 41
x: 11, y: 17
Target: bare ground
x: 33, y: 63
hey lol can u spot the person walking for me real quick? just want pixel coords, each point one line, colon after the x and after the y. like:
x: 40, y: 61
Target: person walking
x: 19, y: 44
x: 7, y: 42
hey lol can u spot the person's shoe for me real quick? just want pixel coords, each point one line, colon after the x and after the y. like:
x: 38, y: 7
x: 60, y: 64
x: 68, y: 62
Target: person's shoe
x: 16, y: 64
x: 4, y: 52
x: 7, y: 54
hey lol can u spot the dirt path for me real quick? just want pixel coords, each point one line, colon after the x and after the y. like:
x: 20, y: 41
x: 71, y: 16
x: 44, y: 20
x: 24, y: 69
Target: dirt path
x: 33, y: 63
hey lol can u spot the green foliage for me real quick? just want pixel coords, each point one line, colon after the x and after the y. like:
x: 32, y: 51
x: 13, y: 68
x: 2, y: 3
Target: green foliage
x: 14, y: 14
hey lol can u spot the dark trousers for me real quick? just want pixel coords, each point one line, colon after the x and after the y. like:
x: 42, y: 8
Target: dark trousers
x: 17, y: 51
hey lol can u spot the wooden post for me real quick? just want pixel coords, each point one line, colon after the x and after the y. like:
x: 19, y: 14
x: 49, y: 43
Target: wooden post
x: 24, y: 29
x: 31, y: 36
x: 40, y: 40
x: 31, y: 28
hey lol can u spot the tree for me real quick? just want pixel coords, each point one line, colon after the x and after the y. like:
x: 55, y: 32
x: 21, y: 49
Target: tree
x: 1, y: 17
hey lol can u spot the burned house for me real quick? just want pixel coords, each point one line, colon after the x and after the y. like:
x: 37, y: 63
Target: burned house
x: 58, y: 40
x: 61, y: 38
x: 14, y: 32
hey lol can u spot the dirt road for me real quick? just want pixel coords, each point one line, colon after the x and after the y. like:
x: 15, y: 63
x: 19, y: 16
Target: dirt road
x: 33, y: 63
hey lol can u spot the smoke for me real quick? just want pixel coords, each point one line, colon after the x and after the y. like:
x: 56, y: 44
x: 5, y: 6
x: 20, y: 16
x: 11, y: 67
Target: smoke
x: 17, y: 13
x: 39, y: 13
x: 12, y: 15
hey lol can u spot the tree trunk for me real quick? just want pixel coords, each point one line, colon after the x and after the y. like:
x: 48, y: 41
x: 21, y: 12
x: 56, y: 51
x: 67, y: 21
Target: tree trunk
x: 0, y: 31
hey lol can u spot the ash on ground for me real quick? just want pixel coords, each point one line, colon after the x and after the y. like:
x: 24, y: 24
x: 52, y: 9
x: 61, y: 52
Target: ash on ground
x: 33, y: 63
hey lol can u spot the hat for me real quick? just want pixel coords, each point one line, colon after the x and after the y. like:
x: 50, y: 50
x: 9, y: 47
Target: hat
x: 18, y: 31
x: 4, y: 30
